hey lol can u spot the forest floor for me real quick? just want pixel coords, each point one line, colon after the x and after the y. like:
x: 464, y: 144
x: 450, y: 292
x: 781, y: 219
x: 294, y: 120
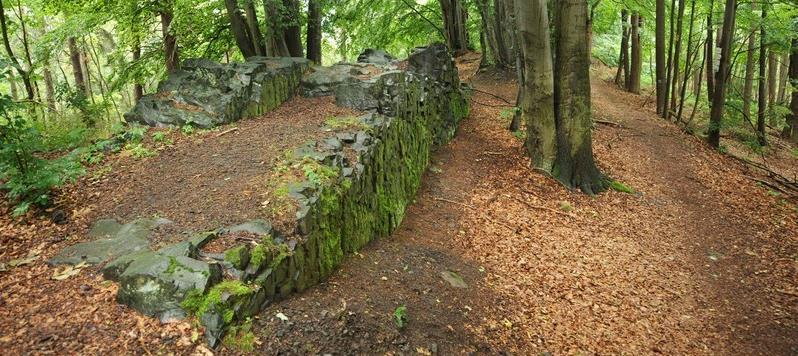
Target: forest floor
x: 701, y: 260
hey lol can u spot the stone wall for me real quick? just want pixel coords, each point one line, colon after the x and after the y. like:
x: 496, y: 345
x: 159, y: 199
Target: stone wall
x: 204, y: 93
x: 366, y: 174
x: 413, y: 112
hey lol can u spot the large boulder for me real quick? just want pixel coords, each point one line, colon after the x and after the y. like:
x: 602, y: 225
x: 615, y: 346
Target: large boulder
x: 156, y: 284
x: 204, y: 93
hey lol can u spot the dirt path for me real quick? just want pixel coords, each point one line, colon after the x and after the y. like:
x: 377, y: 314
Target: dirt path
x: 702, y: 261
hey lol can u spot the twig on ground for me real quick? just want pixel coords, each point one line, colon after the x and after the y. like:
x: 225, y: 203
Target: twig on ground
x: 455, y: 202
x: 545, y: 208
x: 493, y: 95
x: 225, y: 132
x: 608, y: 123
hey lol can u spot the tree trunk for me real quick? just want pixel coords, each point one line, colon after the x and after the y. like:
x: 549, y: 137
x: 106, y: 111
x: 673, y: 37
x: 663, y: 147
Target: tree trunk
x: 677, y: 57
x: 488, y: 28
x: 637, y: 63
x: 84, y: 63
x: 258, y: 43
x: 784, y: 71
x: 138, y: 89
x: 791, y: 130
x: 239, y: 29
x: 77, y: 68
x: 275, y: 38
x: 12, y: 82
x: 709, y: 56
x: 689, y: 61
x: 622, y: 75
x: 49, y: 89
x: 293, y: 35
x: 26, y: 80
x: 719, y: 97
x: 669, y: 68
x: 773, y: 81
x: 537, y: 102
x: 660, y: 54
x: 500, y: 22
x: 748, y: 85
x: 763, y: 61
x: 454, y: 26
x: 574, y: 165
x: 314, y: 31
x: 171, y: 52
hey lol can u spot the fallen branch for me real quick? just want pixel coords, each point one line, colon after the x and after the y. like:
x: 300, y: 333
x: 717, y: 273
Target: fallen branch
x: 545, y: 208
x: 493, y: 95
x: 608, y: 123
x: 225, y: 132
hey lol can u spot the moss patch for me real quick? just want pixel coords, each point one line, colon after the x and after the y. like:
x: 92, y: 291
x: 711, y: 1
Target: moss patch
x: 620, y: 187
x: 197, y: 303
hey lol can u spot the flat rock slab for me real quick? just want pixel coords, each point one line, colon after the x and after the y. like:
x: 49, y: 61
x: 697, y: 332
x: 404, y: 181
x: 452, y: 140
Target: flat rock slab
x: 112, y: 240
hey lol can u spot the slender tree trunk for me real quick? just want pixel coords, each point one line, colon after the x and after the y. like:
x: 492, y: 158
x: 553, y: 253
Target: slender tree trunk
x: 660, y: 54
x: 677, y: 54
x: 622, y: 75
x: 292, y: 31
x: 574, y: 165
x: 239, y: 29
x: 710, y: 55
x: 314, y: 31
x: 501, y: 41
x: 258, y: 43
x: 77, y: 68
x: 138, y: 89
x: 537, y: 104
x: 86, y: 73
x: 689, y: 61
x: 637, y: 50
x: 762, y: 102
x: 12, y: 82
x: 171, y: 52
x: 454, y: 26
x: 26, y: 80
x: 719, y: 99
x: 784, y: 70
x: 49, y: 89
x: 791, y: 130
x: 669, y: 68
x: 773, y: 80
x: 748, y: 85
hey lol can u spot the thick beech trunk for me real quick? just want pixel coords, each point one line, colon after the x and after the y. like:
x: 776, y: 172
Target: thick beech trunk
x: 171, y: 51
x: 258, y: 42
x: 292, y: 31
x: 574, y: 165
x: 239, y: 29
x: 636, y: 62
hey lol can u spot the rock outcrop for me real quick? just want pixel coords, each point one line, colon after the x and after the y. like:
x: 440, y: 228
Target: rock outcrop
x: 204, y: 93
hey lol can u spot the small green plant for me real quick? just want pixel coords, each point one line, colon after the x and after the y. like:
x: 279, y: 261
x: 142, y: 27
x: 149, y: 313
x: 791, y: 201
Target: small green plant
x: 795, y: 152
x: 566, y: 206
x: 158, y: 136
x: 620, y: 187
x: 240, y: 337
x: 187, y: 129
x: 521, y: 135
x: 317, y: 173
x: 138, y: 151
x: 509, y: 113
x: 135, y: 133
x: 347, y: 122
x: 400, y: 316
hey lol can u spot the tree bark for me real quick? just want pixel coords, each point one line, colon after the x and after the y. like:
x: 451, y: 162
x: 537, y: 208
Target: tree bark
x: 171, y: 52
x: 488, y: 28
x: 719, y: 97
x: 622, y: 75
x: 314, y: 31
x: 500, y: 22
x: 773, y: 79
x: 239, y: 29
x: 77, y: 68
x: 275, y: 38
x: 791, y: 130
x: 138, y: 89
x: 49, y: 89
x: 574, y: 165
x: 677, y: 56
x: 258, y: 43
x: 292, y: 32
x: 748, y: 85
x: 26, y: 80
x: 637, y: 62
x: 709, y: 56
x: 537, y: 102
x: 763, y: 61
x: 784, y: 70
x: 660, y: 56
x: 454, y: 25
x: 12, y: 82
